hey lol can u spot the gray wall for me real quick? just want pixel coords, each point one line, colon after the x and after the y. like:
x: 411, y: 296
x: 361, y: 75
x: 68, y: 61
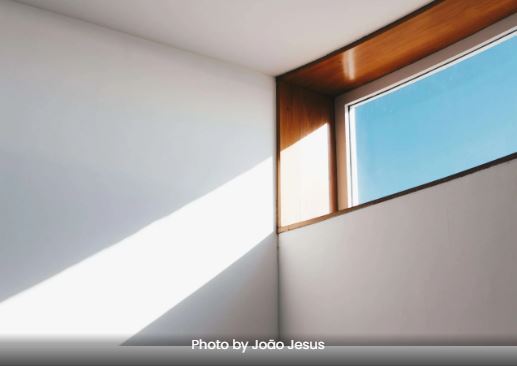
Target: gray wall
x: 136, y: 179
x: 432, y: 267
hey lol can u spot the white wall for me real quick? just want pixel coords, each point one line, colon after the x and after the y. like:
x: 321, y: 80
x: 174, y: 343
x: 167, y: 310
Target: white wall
x: 433, y: 267
x: 137, y: 180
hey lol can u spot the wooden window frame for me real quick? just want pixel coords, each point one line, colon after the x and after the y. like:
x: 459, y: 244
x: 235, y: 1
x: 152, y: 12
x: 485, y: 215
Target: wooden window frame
x: 405, y: 43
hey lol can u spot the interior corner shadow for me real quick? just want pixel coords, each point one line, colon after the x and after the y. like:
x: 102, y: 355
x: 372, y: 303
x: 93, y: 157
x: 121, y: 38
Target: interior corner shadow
x: 240, y: 302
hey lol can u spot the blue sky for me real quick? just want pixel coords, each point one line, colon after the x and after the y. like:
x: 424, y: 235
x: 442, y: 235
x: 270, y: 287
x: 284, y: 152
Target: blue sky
x: 455, y: 119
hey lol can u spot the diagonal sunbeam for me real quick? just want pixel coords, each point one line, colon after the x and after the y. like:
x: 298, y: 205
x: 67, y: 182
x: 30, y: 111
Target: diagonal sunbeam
x: 112, y: 295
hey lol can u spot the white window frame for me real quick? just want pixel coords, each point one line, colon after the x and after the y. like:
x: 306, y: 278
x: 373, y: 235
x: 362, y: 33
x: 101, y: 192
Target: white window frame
x: 348, y: 190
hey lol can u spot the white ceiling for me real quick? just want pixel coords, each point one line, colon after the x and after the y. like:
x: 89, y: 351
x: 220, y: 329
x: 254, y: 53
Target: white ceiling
x: 271, y: 36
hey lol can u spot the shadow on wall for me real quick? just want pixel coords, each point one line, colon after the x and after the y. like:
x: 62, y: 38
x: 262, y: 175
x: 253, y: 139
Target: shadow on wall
x: 121, y: 191
x: 224, y: 308
x: 55, y: 215
x: 81, y: 262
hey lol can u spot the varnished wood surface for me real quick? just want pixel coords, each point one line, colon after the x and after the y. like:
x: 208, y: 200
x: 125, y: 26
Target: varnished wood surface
x: 299, y: 113
x: 484, y: 166
x: 421, y: 33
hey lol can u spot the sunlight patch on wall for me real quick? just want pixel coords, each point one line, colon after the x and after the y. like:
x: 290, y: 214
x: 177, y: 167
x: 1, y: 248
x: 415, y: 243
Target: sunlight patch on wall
x: 305, y: 177
x: 112, y: 295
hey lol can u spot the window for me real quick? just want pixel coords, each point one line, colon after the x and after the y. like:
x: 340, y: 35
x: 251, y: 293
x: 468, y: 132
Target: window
x: 449, y: 119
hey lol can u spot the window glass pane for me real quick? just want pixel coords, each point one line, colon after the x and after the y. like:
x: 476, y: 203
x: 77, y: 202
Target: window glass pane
x: 451, y: 120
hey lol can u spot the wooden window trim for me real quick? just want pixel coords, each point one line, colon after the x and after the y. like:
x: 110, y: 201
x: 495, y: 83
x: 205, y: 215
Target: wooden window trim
x: 411, y: 38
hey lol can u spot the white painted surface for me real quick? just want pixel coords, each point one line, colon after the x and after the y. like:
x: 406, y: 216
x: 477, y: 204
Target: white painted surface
x: 435, y: 266
x: 137, y: 180
x: 272, y: 36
